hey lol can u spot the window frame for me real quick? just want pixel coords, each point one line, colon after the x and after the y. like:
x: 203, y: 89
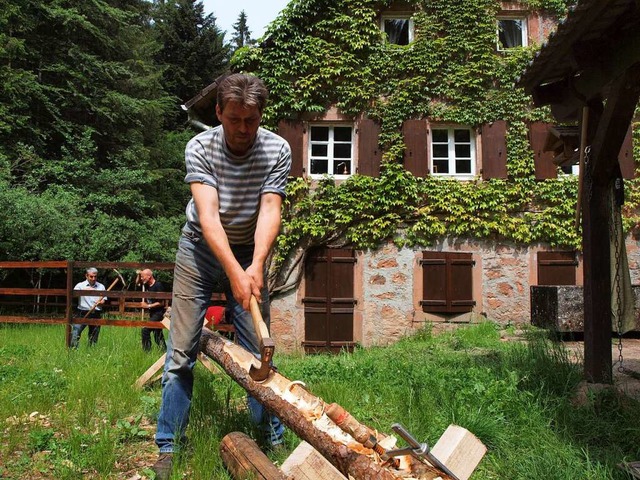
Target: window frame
x: 524, y: 33
x: 330, y: 142
x: 473, y: 141
x: 398, y: 16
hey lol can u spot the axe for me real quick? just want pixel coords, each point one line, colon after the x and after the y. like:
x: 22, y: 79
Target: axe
x: 267, y: 345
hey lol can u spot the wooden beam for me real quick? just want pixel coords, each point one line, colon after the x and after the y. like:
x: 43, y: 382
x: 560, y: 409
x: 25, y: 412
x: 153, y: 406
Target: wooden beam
x: 596, y: 272
x: 35, y: 291
x: 606, y: 134
x: 612, y: 127
x: 569, y: 94
x: 460, y: 450
x: 305, y: 463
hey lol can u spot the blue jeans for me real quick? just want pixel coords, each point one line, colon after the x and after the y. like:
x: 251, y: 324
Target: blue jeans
x: 197, y: 275
x: 78, y: 328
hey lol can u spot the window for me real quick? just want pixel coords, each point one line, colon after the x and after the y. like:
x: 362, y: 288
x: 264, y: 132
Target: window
x: 447, y: 282
x: 331, y: 150
x: 453, y: 152
x: 512, y: 33
x: 398, y: 28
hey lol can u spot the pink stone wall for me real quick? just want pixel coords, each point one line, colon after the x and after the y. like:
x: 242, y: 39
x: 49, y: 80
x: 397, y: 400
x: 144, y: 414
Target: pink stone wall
x: 388, y: 289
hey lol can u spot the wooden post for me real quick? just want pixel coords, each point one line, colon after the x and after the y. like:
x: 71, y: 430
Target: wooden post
x: 611, y: 125
x: 69, y: 306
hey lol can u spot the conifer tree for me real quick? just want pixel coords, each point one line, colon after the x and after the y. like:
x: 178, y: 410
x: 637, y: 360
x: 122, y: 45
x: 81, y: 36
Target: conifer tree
x: 241, y: 33
x: 194, y: 53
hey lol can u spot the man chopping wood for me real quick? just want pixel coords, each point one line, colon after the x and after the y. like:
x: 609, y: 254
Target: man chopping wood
x: 237, y: 172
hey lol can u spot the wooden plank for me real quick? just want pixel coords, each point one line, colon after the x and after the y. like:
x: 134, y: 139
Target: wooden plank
x: 460, y: 451
x: 306, y: 463
x: 151, y: 371
x: 53, y: 264
x: 38, y: 320
x: 244, y: 459
x: 632, y: 468
x: 35, y: 291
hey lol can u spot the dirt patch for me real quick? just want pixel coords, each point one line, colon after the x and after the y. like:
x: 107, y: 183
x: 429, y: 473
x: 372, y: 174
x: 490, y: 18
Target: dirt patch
x: 626, y: 379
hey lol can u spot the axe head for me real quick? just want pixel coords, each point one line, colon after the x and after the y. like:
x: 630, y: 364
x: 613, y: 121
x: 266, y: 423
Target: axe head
x: 260, y: 374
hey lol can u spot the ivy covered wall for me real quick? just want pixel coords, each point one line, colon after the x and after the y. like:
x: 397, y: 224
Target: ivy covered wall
x: 320, y: 54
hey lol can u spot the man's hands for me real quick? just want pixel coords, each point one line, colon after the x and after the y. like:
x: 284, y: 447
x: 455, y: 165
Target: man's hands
x: 245, y: 283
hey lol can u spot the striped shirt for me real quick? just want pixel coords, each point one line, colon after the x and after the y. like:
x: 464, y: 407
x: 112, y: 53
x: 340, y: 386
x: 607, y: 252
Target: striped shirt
x: 240, y: 181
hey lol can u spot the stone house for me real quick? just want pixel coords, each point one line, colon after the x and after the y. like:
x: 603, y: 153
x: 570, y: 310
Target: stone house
x: 348, y: 296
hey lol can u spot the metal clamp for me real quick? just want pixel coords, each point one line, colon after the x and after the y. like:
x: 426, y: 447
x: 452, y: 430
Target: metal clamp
x: 420, y: 451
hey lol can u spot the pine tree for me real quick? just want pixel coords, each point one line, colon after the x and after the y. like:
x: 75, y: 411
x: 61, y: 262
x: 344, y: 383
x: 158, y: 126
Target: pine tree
x: 194, y: 53
x: 241, y: 33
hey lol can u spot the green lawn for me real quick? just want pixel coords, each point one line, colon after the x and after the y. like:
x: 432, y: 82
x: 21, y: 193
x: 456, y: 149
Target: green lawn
x: 75, y: 414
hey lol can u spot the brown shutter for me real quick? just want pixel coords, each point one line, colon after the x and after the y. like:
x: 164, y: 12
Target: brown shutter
x: 625, y: 158
x: 369, y: 153
x: 447, y: 282
x: 494, y: 150
x: 292, y: 132
x: 434, y: 282
x: 416, y: 155
x: 543, y: 161
x: 460, y: 282
x: 329, y: 301
x: 557, y: 268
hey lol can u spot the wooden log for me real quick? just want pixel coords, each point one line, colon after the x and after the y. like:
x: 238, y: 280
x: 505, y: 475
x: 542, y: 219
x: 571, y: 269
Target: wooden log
x: 244, y: 459
x: 287, y: 399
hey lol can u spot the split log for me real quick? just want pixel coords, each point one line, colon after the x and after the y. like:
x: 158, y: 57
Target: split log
x: 307, y: 418
x: 244, y: 459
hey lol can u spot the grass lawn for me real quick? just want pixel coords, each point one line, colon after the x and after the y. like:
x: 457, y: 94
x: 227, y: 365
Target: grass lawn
x: 76, y: 415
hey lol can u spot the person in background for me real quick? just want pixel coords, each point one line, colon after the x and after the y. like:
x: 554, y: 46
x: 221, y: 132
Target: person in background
x: 156, y: 308
x: 88, y: 307
x: 237, y: 172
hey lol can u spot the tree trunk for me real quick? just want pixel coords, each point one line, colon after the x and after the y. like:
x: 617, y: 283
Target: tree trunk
x: 306, y: 419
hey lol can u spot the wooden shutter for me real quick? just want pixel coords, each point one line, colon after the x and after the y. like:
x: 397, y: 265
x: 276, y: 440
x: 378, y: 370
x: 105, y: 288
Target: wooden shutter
x: 292, y: 132
x: 625, y: 158
x: 447, y: 282
x: 416, y: 154
x: 543, y: 161
x: 557, y: 268
x: 328, y: 301
x: 369, y: 153
x: 494, y: 150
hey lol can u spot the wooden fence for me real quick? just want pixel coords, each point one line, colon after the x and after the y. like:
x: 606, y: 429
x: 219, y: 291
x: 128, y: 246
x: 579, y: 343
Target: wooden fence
x: 121, y: 310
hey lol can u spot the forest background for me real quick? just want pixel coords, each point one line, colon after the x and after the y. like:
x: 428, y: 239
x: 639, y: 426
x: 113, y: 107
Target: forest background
x: 92, y: 135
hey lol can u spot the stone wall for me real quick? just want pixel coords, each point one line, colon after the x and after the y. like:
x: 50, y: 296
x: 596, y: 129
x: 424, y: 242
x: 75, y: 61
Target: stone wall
x: 388, y: 290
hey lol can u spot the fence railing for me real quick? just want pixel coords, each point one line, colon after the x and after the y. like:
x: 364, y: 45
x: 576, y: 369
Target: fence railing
x: 32, y: 305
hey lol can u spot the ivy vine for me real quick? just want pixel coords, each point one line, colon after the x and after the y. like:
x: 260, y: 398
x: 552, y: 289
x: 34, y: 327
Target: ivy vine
x: 319, y: 54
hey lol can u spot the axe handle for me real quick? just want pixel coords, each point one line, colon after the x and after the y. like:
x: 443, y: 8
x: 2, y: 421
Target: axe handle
x: 258, y: 323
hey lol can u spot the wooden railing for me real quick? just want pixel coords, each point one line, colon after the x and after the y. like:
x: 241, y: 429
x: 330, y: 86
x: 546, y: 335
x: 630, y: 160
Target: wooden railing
x: 122, y: 310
